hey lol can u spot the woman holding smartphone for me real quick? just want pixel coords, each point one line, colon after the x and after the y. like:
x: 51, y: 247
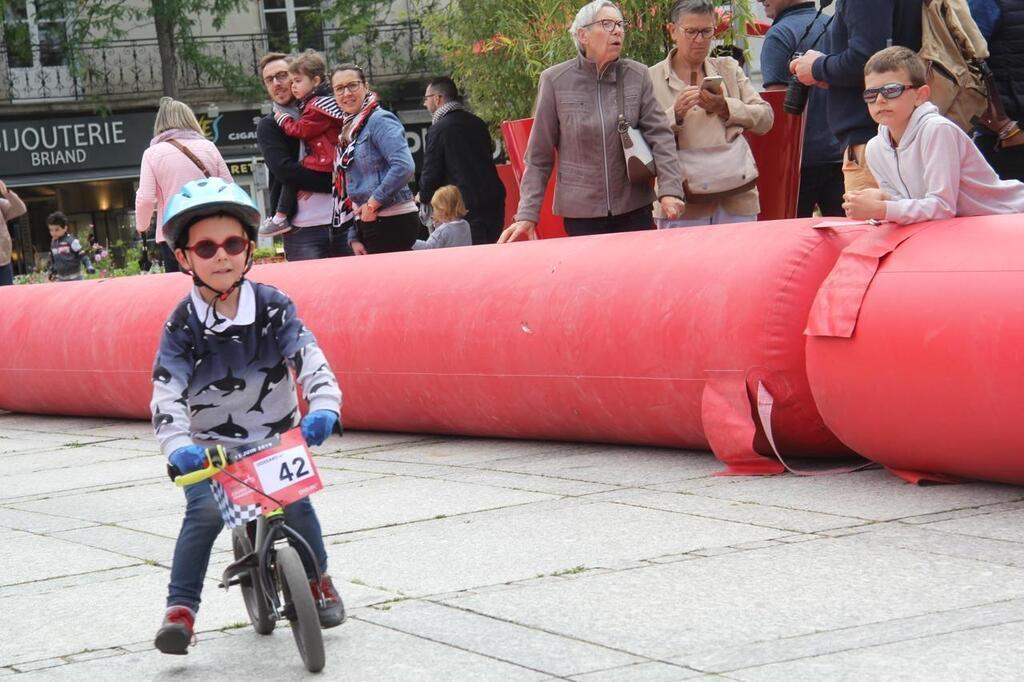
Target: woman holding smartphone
x: 710, y: 103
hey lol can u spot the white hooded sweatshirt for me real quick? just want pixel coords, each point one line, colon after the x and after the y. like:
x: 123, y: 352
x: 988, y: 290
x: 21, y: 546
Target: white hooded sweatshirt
x: 936, y: 172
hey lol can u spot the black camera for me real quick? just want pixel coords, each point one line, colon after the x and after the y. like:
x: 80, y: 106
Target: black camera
x: 796, y: 94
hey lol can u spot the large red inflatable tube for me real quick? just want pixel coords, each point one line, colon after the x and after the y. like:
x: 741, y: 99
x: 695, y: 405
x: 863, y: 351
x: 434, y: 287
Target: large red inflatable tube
x: 915, y: 350
x: 655, y: 338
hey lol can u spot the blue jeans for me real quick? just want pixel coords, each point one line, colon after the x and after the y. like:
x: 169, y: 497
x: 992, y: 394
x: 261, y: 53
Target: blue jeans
x: 6, y: 274
x: 319, y: 241
x: 199, y: 529
x: 719, y: 217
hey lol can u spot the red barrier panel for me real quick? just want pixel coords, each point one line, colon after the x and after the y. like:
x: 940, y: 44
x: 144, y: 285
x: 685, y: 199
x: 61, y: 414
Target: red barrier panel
x: 656, y: 338
x: 508, y: 178
x: 918, y: 352
x: 517, y: 136
x: 778, y: 154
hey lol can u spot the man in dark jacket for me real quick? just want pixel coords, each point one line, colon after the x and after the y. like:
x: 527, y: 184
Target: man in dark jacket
x: 1002, y: 24
x: 312, y: 235
x: 860, y: 29
x: 796, y: 27
x: 458, y: 152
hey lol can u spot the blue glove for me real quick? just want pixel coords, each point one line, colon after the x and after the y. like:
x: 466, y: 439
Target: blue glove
x: 189, y: 458
x: 317, y: 425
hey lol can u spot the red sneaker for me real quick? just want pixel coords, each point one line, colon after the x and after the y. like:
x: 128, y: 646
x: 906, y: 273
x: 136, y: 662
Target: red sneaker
x: 332, y: 612
x: 175, y: 634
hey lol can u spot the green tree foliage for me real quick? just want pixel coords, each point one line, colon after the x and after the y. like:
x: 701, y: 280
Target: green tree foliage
x: 496, y: 49
x: 88, y: 26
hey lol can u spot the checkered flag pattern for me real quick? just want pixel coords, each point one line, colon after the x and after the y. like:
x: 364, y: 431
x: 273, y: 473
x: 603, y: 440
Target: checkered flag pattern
x: 234, y: 515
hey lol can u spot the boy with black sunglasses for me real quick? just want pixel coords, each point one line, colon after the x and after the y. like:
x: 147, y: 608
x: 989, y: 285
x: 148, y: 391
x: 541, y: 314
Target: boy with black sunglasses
x: 223, y: 375
x: 927, y: 168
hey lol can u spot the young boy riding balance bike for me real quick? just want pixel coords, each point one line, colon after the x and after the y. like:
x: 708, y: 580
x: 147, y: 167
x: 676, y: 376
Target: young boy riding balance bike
x: 223, y: 375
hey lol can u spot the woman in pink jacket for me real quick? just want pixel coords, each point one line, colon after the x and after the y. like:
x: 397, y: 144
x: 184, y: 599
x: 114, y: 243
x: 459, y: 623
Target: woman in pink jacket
x: 178, y: 153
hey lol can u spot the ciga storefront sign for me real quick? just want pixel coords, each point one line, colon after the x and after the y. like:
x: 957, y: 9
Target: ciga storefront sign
x: 65, y: 144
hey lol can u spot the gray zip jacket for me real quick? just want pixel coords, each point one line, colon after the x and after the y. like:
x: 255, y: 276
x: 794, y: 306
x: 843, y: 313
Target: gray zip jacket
x: 576, y: 113
x: 936, y: 172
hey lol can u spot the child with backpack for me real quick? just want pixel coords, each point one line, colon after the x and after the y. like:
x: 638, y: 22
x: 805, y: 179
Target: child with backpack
x: 926, y: 166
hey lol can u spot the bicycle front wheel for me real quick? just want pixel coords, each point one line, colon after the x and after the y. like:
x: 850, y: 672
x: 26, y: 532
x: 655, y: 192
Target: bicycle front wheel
x: 301, y: 609
x: 256, y: 602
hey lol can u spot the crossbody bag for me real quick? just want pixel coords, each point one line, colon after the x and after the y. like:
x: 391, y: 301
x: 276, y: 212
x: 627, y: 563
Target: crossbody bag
x: 640, y: 166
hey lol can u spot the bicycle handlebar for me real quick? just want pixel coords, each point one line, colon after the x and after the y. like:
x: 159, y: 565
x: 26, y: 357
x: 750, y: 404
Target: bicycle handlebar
x: 216, y: 459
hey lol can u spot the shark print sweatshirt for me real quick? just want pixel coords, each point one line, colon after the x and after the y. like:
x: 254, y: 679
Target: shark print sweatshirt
x: 230, y: 381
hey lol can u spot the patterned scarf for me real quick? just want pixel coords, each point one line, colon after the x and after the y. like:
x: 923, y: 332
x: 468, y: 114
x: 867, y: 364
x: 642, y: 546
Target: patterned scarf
x: 345, y: 152
x: 444, y: 109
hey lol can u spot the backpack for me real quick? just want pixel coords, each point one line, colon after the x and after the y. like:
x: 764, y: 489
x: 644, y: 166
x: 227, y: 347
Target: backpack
x: 953, y: 49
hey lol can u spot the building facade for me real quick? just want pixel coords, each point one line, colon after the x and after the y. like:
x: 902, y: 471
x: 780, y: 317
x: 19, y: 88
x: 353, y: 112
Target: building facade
x: 74, y: 124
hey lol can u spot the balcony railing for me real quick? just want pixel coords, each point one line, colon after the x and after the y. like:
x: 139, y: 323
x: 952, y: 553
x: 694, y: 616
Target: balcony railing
x: 133, y: 68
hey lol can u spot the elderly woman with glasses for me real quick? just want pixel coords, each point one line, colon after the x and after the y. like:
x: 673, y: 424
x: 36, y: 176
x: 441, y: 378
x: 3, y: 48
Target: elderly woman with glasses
x: 710, y: 102
x: 372, y: 170
x: 576, y: 113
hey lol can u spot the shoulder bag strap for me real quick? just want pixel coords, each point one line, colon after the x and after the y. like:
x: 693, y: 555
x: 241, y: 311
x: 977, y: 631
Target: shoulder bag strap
x: 621, y: 96
x: 188, y: 152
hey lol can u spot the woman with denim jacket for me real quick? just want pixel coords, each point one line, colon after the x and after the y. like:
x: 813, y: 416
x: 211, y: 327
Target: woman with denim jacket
x: 372, y: 170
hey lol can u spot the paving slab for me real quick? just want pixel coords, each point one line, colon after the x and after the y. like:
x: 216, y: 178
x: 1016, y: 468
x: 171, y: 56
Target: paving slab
x: 52, y: 460
x: 872, y: 495
x: 357, y: 505
x: 694, y: 606
x: 42, y: 557
x: 997, y: 525
x: 984, y: 653
x: 113, y: 502
x: 935, y: 541
x: 522, y: 542
x: 104, y: 610
x: 794, y: 520
x: 466, y: 474
x: 36, y: 522
x: 652, y: 671
x: 456, y: 451
x: 122, y: 541
x: 101, y: 474
x: 43, y: 423
x: 729, y: 659
x: 356, y: 650
x: 615, y: 465
x: 360, y: 441
x: 498, y: 639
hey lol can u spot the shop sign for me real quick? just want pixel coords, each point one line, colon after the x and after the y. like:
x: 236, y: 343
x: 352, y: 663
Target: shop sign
x: 71, y: 144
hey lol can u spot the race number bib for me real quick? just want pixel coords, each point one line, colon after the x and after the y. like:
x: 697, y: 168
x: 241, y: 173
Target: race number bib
x: 272, y: 473
x: 285, y: 468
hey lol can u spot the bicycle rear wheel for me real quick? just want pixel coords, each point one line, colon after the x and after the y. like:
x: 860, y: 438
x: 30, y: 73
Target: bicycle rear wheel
x: 252, y: 592
x: 305, y: 623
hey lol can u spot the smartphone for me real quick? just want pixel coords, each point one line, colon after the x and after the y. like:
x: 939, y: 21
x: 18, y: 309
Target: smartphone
x: 712, y: 83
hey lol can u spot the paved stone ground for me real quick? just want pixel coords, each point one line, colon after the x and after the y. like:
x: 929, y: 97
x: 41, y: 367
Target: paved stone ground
x: 466, y: 559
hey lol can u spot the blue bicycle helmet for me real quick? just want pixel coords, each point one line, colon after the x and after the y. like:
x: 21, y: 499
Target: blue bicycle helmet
x: 206, y: 197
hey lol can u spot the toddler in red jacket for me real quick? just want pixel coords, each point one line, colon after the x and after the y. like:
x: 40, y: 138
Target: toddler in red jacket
x: 318, y: 125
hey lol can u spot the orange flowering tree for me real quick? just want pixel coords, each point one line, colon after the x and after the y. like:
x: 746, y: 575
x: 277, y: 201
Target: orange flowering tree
x: 496, y: 49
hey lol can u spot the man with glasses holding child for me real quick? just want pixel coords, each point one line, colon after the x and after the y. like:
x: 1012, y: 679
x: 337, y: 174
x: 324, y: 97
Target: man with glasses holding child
x: 312, y: 235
